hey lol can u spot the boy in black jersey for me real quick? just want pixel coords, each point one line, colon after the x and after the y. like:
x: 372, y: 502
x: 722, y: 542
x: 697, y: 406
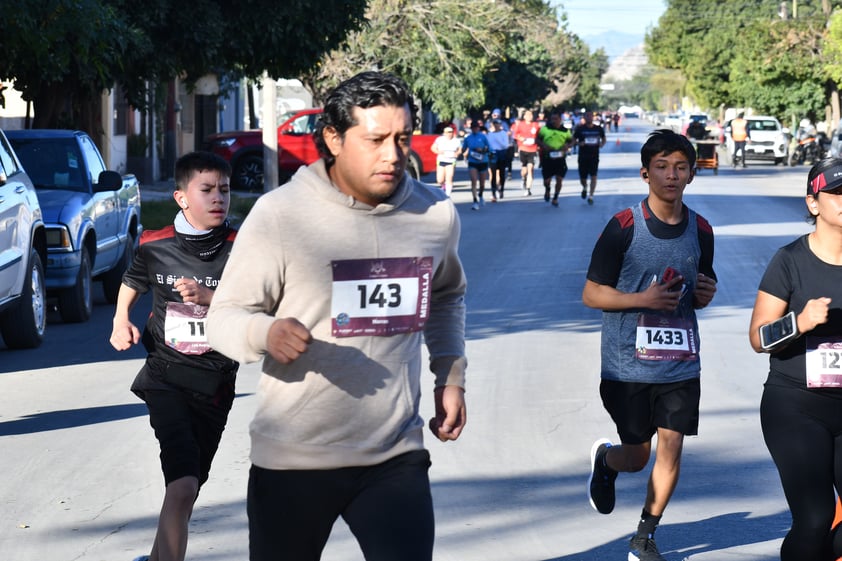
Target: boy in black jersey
x: 651, y: 268
x: 187, y: 386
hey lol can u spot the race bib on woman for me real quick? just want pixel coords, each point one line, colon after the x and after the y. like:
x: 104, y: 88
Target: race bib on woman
x: 380, y: 297
x: 824, y: 362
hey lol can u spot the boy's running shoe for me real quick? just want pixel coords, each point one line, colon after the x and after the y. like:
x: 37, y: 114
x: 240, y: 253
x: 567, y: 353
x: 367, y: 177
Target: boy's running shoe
x: 601, y: 481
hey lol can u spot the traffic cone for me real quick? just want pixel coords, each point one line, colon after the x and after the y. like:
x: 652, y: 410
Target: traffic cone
x: 838, y: 517
x: 618, y: 141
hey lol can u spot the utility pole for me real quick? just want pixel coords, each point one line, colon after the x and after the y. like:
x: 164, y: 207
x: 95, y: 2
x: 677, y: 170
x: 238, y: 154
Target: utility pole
x: 270, y: 134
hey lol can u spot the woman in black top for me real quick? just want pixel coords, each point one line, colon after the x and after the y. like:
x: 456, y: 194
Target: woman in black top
x: 801, y: 408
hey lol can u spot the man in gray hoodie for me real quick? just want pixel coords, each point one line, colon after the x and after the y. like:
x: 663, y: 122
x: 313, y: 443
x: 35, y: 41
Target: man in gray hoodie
x: 337, y: 277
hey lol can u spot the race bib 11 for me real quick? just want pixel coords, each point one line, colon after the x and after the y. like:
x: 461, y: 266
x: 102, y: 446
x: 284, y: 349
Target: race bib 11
x: 184, y: 328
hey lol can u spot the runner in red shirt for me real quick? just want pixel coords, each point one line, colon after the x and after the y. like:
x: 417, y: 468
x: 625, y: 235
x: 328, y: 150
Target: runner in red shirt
x: 524, y: 132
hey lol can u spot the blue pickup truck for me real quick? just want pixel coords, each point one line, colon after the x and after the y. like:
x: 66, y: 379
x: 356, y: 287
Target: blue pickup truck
x: 91, y: 214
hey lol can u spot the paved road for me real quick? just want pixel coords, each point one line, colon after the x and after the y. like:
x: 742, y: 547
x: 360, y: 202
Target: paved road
x: 79, y: 462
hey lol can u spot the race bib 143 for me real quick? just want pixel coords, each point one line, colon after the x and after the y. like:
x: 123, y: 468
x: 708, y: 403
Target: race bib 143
x: 380, y: 297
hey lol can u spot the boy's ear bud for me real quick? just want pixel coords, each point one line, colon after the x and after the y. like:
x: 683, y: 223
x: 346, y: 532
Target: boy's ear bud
x: 645, y: 175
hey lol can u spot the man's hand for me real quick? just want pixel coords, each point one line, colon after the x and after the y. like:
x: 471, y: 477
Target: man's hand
x: 705, y: 289
x: 123, y: 335
x: 663, y: 297
x: 287, y: 340
x: 451, y: 415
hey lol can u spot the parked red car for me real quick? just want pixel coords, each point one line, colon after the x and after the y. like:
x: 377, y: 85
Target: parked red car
x: 244, y: 150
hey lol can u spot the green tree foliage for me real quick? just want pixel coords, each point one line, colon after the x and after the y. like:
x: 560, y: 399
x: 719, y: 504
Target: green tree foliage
x: 743, y: 53
x: 61, y: 54
x: 441, y: 48
x: 782, y: 60
x: 455, y: 54
x: 542, y: 64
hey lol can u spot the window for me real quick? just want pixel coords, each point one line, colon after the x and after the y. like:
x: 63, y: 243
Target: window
x: 7, y: 160
x: 92, y: 157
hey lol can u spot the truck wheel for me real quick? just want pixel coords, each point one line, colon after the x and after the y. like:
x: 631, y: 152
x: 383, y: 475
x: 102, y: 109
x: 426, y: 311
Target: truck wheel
x: 413, y: 165
x: 75, y: 304
x: 23, y: 325
x: 114, y: 278
x: 248, y: 173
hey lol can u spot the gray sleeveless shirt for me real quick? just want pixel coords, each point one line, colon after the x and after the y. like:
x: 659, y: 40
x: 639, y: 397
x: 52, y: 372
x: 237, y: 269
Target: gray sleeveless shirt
x: 645, y: 345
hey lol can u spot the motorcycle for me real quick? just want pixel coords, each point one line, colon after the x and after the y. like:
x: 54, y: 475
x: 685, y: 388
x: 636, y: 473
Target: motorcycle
x: 805, y: 149
x: 808, y: 145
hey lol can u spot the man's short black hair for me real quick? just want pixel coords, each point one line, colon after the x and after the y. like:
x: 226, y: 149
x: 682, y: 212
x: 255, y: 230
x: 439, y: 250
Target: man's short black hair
x: 366, y: 89
x: 194, y: 162
x: 666, y: 141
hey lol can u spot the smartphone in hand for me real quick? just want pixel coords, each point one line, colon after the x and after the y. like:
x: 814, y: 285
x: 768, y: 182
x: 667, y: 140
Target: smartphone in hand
x: 668, y: 275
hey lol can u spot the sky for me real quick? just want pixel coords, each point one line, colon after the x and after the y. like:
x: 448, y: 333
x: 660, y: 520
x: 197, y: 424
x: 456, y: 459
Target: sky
x: 592, y: 17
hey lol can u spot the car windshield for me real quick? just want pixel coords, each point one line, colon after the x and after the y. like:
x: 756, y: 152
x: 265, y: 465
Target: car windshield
x: 282, y: 117
x: 52, y: 163
x: 763, y: 125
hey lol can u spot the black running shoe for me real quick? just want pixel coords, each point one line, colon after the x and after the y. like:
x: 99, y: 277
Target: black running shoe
x: 601, y: 481
x: 643, y: 548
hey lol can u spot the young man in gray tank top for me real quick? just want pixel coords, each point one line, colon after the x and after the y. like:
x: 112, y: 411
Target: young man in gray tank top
x: 651, y: 268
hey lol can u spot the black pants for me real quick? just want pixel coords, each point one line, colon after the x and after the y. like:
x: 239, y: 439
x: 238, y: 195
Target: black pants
x: 499, y: 165
x: 388, y: 507
x: 803, y: 431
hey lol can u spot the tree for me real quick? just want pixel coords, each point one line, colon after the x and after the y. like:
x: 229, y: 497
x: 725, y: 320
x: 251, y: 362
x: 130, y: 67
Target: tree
x: 744, y: 54
x: 61, y: 54
x: 455, y: 54
x: 782, y: 64
x: 440, y: 47
x: 542, y: 62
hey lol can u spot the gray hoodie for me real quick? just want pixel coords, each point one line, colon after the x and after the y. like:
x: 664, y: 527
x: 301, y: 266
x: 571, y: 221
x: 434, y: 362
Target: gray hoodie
x: 349, y: 400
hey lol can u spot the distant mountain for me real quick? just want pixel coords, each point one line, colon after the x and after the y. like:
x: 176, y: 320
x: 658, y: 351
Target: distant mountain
x: 615, y: 43
x: 627, y: 65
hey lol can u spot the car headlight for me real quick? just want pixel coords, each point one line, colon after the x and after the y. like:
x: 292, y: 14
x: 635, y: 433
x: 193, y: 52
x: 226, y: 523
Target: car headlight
x: 58, y: 238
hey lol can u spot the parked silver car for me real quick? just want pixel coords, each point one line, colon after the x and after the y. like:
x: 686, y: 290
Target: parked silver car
x: 23, y: 252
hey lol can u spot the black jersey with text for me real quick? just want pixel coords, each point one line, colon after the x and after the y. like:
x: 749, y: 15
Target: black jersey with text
x: 164, y: 256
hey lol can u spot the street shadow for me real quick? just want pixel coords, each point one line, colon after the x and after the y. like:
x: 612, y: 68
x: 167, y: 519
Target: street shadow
x: 72, y: 418
x: 472, y: 513
x: 697, y: 537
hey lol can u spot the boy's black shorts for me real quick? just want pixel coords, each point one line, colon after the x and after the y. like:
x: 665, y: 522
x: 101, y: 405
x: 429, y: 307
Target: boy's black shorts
x: 188, y: 429
x: 639, y: 409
